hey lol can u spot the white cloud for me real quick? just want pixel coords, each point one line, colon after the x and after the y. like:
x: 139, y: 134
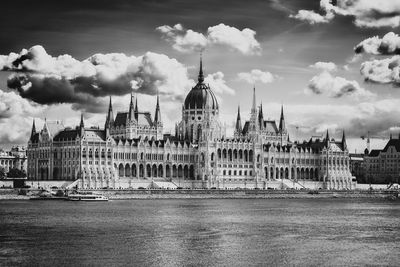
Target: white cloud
x: 336, y: 87
x: 16, y: 118
x: 188, y: 40
x: 383, y: 71
x: 218, y: 84
x: 389, y: 44
x: 366, y: 13
x: 183, y: 40
x: 256, y: 75
x: 328, y: 66
x: 311, y: 17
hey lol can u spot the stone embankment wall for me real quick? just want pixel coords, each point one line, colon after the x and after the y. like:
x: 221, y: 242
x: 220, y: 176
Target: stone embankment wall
x: 217, y: 194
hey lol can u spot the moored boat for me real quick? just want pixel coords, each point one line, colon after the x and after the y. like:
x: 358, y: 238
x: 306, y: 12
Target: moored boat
x: 87, y: 197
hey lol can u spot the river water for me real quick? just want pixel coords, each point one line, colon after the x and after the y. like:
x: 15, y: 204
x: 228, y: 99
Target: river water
x: 229, y: 232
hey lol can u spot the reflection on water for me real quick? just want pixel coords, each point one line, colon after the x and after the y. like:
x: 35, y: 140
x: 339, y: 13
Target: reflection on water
x: 238, y: 232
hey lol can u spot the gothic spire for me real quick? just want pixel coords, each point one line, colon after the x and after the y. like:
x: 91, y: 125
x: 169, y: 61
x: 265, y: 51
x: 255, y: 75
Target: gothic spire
x: 327, y: 136
x: 253, y: 106
x: 238, y: 122
x: 157, y: 115
x: 81, y: 124
x: 344, y: 144
x: 282, y: 126
x: 131, y: 109
x: 33, y: 132
x: 136, y: 110
x: 261, y: 117
x: 201, y: 75
x: 110, y: 116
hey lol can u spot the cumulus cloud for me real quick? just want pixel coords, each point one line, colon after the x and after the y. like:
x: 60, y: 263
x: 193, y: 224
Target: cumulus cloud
x: 218, y: 84
x: 366, y: 13
x: 327, y: 66
x: 336, y: 87
x: 184, y: 40
x: 384, y: 71
x: 311, y: 17
x: 49, y: 80
x: 256, y: 75
x: 16, y: 118
x: 389, y: 44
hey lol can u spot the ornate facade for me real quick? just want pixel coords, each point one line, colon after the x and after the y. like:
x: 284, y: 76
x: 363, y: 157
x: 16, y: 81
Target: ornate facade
x: 132, y: 152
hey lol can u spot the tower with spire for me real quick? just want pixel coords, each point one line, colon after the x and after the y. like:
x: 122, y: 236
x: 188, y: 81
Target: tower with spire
x: 110, y: 117
x: 33, y: 131
x: 157, y: 114
x: 344, y: 143
x: 261, y: 117
x: 238, y: 127
x: 254, y: 122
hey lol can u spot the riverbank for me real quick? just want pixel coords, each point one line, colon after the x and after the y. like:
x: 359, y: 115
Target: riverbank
x: 13, y: 194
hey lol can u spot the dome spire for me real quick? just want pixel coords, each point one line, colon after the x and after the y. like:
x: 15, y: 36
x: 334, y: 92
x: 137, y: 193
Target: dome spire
x: 201, y: 75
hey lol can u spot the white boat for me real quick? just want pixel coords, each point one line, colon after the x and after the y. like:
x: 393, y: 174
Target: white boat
x: 87, y: 197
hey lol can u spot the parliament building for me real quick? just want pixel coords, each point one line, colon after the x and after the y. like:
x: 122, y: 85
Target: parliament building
x: 132, y: 151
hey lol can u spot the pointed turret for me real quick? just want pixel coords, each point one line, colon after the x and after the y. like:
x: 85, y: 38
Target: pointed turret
x: 157, y: 115
x: 390, y: 137
x: 344, y: 143
x: 136, y: 110
x: 33, y: 132
x: 110, y: 116
x: 238, y: 127
x: 261, y: 117
x: 288, y: 138
x: 282, y: 126
x: 327, y: 137
x: 81, y: 124
x: 131, y: 109
x: 201, y: 75
x: 253, y: 106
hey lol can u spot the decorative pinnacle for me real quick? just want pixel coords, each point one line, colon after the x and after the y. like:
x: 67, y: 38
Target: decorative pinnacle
x: 201, y: 75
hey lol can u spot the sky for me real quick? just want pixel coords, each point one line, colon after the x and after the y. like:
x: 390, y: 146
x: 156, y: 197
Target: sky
x: 332, y: 65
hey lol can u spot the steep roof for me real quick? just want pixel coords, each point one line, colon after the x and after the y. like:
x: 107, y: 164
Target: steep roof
x: 66, y: 135
x: 95, y: 135
x: 374, y: 153
x: 270, y: 126
x: 121, y: 118
x: 143, y: 118
x: 392, y: 142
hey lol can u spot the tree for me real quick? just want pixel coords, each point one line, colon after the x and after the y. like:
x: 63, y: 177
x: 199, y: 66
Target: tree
x: 16, y: 173
x: 2, y: 173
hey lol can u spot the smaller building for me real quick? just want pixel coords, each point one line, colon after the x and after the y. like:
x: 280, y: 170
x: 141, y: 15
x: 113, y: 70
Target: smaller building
x: 357, y: 167
x: 383, y: 166
x: 13, y: 159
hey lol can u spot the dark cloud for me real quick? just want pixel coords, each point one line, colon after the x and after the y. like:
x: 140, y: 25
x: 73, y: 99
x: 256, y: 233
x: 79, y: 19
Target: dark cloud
x: 45, y: 79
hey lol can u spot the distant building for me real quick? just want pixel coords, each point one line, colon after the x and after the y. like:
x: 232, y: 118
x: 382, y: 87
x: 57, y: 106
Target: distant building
x: 357, y: 166
x: 132, y: 151
x: 13, y: 159
x: 383, y: 166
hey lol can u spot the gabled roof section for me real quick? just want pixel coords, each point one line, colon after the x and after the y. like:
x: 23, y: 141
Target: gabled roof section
x: 270, y: 126
x: 392, y: 142
x: 121, y: 119
x: 374, y: 153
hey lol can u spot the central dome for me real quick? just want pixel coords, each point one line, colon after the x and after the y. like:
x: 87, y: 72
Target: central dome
x: 201, y: 96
